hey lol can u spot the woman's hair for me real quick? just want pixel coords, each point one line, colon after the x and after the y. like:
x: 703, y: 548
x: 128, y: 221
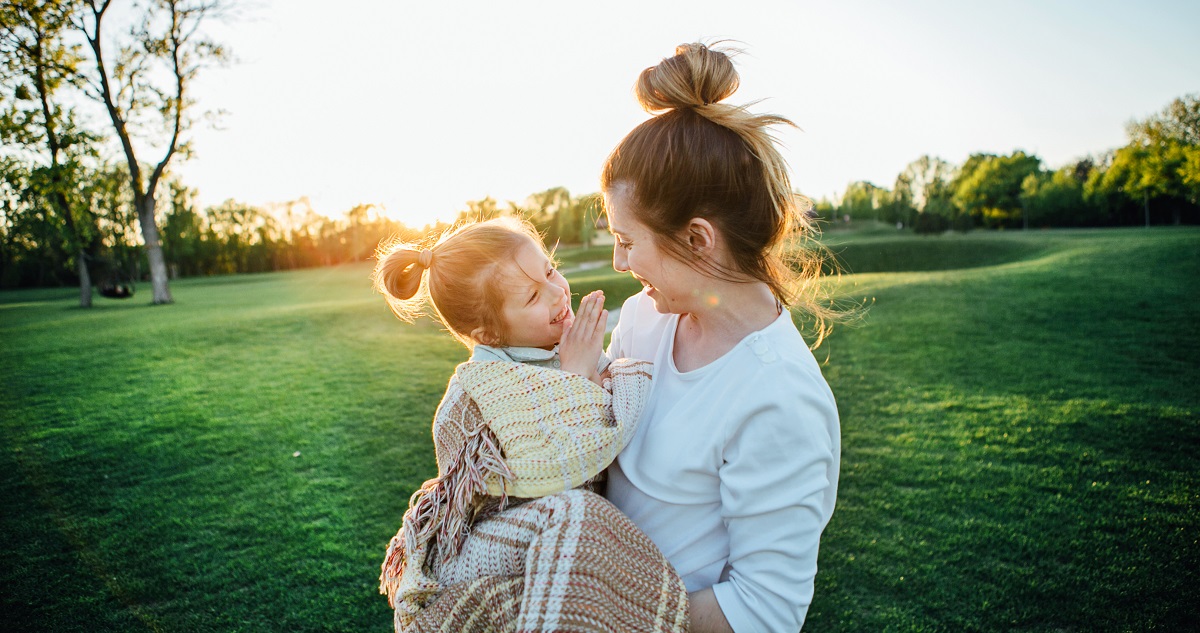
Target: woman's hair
x: 700, y: 158
x: 458, y: 278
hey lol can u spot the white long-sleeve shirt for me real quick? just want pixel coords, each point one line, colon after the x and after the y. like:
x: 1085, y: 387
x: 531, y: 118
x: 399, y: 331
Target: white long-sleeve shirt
x: 733, y: 470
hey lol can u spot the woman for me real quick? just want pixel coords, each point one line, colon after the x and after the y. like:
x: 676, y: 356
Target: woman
x: 733, y: 470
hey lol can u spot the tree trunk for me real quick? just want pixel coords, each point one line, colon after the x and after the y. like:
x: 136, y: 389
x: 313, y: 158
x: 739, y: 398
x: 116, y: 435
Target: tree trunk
x: 154, y: 252
x: 85, y: 281
x: 1146, y: 207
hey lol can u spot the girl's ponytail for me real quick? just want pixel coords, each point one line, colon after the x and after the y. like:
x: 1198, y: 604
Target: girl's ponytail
x: 400, y: 278
x: 453, y: 277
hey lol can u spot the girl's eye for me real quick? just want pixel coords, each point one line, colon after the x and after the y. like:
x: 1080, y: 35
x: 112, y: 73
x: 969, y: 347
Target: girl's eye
x: 625, y: 245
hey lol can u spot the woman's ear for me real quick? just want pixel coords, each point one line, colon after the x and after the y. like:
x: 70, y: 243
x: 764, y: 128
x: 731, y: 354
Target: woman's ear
x: 701, y: 236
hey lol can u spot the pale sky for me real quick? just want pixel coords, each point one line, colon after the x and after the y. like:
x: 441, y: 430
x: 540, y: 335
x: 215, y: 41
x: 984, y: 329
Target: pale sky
x: 421, y: 106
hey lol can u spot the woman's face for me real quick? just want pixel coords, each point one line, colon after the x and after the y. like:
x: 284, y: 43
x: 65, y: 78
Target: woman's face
x: 671, y: 284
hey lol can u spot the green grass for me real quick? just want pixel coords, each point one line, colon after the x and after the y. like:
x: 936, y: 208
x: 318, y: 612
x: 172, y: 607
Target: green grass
x: 1021, y: 429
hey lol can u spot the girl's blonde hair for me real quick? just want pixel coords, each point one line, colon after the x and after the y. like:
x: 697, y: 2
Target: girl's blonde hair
x: 456, y: 284
x: 701, y: 158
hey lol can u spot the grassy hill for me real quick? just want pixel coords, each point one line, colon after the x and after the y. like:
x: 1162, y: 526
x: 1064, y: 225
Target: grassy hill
x: 1021, y: 429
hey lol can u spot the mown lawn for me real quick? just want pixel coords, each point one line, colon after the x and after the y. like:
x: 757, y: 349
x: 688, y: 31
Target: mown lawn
x: 1021, y: 434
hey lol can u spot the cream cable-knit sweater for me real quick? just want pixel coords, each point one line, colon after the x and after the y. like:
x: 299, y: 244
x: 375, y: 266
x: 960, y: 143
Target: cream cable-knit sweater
x: 506, y: 429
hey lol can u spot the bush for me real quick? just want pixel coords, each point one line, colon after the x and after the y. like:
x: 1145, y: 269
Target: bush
x: 930, y: 223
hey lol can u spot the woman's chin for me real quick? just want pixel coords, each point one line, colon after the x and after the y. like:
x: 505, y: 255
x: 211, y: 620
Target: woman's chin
x: 660, y: 302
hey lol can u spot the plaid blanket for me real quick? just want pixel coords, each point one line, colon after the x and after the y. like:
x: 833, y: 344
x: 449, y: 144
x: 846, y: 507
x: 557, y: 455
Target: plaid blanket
x: 559, y: 559
x: 569, y: 562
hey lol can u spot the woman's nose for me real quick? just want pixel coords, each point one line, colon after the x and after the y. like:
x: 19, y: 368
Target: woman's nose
x: 620, y: 261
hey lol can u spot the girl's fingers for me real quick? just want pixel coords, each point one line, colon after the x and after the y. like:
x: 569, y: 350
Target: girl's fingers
x: 589, y: 319
x: 585, y: 305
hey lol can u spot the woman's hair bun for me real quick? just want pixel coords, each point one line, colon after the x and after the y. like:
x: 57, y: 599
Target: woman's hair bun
x: 696, y: 76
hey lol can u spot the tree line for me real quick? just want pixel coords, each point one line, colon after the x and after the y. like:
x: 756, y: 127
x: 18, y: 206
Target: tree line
x: 236, y: 237
x: 1153, y: 179
x: 93, y: 114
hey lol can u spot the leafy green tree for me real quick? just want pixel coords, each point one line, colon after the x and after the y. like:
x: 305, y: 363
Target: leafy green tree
x: 922, y: 192
x: 862, y: 200
x: 146, y: 93
x: 30, y: 238
x: 988, y: 187
x: 1104, y: 195
x: 825, y: 211
x: 42, y: 67
x: 184, y: 231
x: 1053, y: 198
x: 576, y: 223
x: 1161, y: 158
x: 542, y: 210
x: 1190, y: 172
x: 1131, y: 173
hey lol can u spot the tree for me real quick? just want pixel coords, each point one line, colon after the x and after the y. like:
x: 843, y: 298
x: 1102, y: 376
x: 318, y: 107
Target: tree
x: 1161, y: 156
x: 924, y: 188
x: 988, y: 187
x: 825, y: 211
x: 862, y: 200
x: 1054, y: 198
x: 542, y: 210
x: 480, y: 210
x: 36, y: 59
x: 1129, y: 175
x: 148, y: 83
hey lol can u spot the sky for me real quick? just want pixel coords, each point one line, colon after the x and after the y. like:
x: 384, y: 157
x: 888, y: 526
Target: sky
x: 419, y: 107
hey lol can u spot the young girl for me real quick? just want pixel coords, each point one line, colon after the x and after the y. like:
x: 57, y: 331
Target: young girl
x: 535, y: 413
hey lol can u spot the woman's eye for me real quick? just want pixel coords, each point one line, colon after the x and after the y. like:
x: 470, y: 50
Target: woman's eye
x: 625, y: 245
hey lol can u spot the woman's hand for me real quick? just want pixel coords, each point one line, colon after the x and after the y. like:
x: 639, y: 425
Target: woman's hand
x: 583, y: 338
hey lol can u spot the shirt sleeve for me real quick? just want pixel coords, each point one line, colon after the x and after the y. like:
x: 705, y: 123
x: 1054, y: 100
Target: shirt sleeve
x: 776, y: 497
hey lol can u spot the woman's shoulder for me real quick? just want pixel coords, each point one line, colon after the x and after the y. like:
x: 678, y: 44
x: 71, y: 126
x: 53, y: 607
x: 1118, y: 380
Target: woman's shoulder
x: 781, y: 353
x: 780, y: 372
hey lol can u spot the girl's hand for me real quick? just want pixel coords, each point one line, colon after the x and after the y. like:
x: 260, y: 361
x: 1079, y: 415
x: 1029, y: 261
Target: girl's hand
x: 583, y: 339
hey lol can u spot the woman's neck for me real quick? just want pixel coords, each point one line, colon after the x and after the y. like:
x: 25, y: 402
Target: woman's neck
x: 724, y: 317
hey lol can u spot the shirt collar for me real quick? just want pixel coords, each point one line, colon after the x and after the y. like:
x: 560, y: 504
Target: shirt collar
x: 515, y: 354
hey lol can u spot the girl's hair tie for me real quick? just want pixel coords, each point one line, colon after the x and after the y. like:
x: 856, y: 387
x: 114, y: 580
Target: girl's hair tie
x: 425, y: 258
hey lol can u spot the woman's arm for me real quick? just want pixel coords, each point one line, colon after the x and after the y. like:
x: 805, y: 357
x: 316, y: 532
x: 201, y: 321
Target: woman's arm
x: 777, y: 488
x: 705, y: 614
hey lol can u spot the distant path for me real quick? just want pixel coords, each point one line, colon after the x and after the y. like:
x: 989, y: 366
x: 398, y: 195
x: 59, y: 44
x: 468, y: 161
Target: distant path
x: 614, y: 313
x: 583, y: 266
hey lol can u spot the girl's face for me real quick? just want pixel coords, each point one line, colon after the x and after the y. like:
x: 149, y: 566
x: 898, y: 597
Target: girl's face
x: 671, y: 284
x: 537, y: 304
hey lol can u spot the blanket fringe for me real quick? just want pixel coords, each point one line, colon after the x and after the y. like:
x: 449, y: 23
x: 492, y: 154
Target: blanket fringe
x: 440, y: 516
